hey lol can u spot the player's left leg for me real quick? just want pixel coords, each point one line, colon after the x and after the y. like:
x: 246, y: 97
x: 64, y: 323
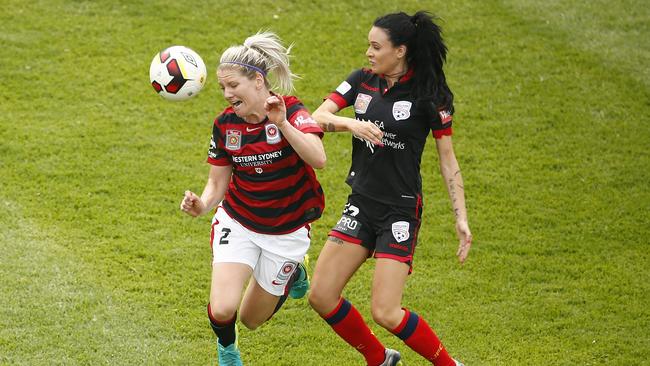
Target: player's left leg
x: 387, y: 289
x: 259, y: 305
x: 278, y: 268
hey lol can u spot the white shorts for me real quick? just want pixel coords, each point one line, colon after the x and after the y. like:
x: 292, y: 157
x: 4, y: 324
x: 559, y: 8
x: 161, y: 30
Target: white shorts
x: 273, y: 258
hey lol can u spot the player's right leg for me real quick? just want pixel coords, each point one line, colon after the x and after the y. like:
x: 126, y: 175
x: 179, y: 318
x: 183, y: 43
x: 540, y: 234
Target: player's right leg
x: 228, y: 280
x: 234, y: 257
x: 336, y: 264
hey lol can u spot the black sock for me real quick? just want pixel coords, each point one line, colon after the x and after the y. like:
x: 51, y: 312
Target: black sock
x: 225, y: 332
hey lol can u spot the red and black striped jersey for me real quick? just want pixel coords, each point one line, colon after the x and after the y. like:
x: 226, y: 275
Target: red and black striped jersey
x: 389, y: 174
x: 272, y: 190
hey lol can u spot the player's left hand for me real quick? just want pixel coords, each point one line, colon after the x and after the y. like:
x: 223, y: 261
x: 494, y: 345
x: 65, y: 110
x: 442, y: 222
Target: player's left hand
x: 275, y: 109
x: 465, y: 238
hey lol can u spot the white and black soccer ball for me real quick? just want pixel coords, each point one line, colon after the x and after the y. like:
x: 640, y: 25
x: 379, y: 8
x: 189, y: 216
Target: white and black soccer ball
x: 177, y: 73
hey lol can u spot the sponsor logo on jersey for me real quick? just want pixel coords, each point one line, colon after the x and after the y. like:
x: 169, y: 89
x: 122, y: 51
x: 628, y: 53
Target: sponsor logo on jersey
x: 400, y: 231
x: 233, y: 139
x: 362, y: 102
x: 303, y: 118
x: 344, y: 88
x: 259, y: 170
x: 445, y: 116
x: 285, y: 273
x: 402, y: 110
x: 213, y: 146
x: 249, y: 129
x: 272, y: 134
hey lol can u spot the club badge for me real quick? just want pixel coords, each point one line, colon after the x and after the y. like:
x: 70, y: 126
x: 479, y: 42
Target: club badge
x: 233, y: 139
x: 362, y: 102
x: 285, y: 273
x: 402, y: 110
x: 400, y: 231
x: 272, y: 134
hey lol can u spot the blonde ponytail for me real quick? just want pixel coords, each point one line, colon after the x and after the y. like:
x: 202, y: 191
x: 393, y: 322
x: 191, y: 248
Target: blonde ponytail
x: 264, y: 53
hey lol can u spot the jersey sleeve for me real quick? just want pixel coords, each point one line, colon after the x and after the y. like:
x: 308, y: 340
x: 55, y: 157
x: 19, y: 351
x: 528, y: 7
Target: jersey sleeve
x: 300, y: 118
x: 217, y: 154
x: 346, y: 92
x: 441, y: 124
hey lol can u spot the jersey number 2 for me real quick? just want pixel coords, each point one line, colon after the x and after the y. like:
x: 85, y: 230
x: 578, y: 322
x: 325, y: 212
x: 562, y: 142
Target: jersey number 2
x: 225, y: 231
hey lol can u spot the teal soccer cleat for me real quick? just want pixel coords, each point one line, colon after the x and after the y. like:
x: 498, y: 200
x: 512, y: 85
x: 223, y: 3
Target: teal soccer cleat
x: 229, y: 356
x: 301, y: 283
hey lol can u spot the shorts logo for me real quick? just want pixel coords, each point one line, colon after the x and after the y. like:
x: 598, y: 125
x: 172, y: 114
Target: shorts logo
x: 272, y: 134
x: 362, y: 102
x: 348, y: 225
x: 400, y: 231
x: 402, y: 110
x: 233, y: 139
x: 344, y: 88
x: 285, y: 273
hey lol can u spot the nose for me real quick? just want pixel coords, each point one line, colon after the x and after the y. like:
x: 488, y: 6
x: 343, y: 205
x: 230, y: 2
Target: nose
x: 368, y: 52
x: 227, y: 93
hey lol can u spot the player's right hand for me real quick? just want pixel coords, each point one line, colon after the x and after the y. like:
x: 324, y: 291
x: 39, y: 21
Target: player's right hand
x: 368, y: 131
x: 192, y: 204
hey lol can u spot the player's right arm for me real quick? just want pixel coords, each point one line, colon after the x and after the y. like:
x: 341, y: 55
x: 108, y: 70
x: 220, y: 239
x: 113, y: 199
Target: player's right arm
x: 326, y: 117
x: 215, y: 189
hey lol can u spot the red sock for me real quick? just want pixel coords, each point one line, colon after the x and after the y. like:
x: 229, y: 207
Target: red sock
x: 347, y: 322
x: 417, y: 334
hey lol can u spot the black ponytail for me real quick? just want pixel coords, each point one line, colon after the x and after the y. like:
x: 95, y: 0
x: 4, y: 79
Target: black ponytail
x: 426, y: 54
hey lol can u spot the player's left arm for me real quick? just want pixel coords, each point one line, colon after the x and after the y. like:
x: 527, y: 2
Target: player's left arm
x: 450, y: 171
x: 308, y: 145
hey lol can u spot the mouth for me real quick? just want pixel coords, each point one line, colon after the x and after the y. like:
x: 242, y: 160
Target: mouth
x: 236, y: 104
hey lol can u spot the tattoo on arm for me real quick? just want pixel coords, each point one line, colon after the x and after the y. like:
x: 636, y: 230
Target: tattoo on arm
x: 331, y: 127
x: 452, y: 195
x: 335, y: 240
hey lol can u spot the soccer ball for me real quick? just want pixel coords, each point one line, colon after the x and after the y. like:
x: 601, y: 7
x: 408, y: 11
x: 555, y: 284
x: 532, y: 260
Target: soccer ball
x: 177, y: 73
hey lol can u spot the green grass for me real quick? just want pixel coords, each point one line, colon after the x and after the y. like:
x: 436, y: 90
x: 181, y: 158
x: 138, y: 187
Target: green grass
x: 98, y: 265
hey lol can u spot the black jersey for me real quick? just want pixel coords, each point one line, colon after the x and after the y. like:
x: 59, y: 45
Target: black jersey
x: 272, y: 190
x: 389, y: 174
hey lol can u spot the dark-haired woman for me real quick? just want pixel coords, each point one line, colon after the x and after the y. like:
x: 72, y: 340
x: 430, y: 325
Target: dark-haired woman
x: 398, y: 101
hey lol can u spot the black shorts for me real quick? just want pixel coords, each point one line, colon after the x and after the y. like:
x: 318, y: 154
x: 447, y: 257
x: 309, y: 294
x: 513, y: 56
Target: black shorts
x: 387, y: 231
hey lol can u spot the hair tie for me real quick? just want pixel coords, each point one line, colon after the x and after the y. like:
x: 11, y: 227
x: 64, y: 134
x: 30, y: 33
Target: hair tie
x: 247, y: 66
x: 414, y: 20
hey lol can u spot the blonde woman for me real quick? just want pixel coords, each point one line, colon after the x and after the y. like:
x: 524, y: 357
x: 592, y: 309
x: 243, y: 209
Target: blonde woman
x: 262, y: 182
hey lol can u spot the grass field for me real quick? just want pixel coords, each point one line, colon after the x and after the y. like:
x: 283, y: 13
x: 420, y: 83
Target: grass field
x: 98, y: 266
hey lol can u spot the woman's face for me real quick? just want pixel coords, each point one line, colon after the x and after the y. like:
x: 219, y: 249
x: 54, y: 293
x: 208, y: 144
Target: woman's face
x: 383, y: 56
x: 242, y: 93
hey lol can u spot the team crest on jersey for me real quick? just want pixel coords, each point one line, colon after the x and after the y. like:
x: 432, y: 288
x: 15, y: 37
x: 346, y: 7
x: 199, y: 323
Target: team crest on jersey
x: 233, y: 139
x: 402, y: 110
x: 272, y: 134
x: 362, y: 102
x: 400, y: 231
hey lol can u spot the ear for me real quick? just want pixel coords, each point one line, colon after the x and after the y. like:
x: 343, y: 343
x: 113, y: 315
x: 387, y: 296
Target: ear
x: 401, y: 51
x: 259, y: 81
